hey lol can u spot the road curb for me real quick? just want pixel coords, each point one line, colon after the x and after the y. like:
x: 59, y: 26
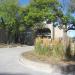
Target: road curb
x: 46, y: 68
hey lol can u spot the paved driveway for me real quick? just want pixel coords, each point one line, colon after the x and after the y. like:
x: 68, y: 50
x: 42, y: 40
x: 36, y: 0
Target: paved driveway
x: 10, y: 65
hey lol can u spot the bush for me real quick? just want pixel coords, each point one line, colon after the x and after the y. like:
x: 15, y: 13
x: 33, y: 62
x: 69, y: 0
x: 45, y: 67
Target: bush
x: 42, y: 46
x: 58, y: 51
x: 49, y: 47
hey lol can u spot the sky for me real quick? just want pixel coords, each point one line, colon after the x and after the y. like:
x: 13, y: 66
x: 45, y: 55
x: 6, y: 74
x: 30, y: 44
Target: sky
x: 24, y: 2
x: 65, y: 3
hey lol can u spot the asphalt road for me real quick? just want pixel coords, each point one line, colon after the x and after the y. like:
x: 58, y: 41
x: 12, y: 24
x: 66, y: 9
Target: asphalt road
x: 10, y: 64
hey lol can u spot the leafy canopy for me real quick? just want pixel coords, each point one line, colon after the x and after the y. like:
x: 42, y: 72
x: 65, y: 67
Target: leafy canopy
x: 41, y: 10
x: 8, y: 11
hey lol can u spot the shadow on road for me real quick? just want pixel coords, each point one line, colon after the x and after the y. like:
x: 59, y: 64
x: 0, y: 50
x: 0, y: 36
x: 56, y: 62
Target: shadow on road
x: 69, y: 69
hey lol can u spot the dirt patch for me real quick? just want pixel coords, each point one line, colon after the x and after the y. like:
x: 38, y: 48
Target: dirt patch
x: 2, y: 45
x: 31, y: 55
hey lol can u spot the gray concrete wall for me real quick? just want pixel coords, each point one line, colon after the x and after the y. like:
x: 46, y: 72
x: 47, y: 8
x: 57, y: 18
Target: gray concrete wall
x: 55, y: 31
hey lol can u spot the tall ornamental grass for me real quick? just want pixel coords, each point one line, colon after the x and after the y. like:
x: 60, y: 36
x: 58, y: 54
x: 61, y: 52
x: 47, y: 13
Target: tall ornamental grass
x: 49, y: 47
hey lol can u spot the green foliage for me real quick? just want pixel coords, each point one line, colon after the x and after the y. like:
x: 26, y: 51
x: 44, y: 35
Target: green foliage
x: 41, y: 10
x: 65, y: 20
x: 72, y: 6
x: 15, y: 18
x: 52, y: 17
x: 32, y: 15
x: 8, y: 11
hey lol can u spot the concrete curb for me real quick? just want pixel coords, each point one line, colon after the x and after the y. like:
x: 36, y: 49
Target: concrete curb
x: 46, y: 68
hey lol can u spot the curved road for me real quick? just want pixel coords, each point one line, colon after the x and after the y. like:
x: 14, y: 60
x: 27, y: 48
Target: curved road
x: 10, y: 65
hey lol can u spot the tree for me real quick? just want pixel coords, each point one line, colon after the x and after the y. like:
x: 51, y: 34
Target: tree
x: 8, y: 10
x: 72, y: 5
x: 68, y: 21
x: 8, y: 15
x: 41, y: 10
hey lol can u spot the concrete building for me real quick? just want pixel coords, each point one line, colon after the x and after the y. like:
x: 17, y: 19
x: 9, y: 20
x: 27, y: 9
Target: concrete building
x: 55, y: 31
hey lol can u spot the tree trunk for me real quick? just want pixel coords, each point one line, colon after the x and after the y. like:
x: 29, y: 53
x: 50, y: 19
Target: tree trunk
x: 65, y: 40
x: 53, y: 32
x: 66, y: 43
